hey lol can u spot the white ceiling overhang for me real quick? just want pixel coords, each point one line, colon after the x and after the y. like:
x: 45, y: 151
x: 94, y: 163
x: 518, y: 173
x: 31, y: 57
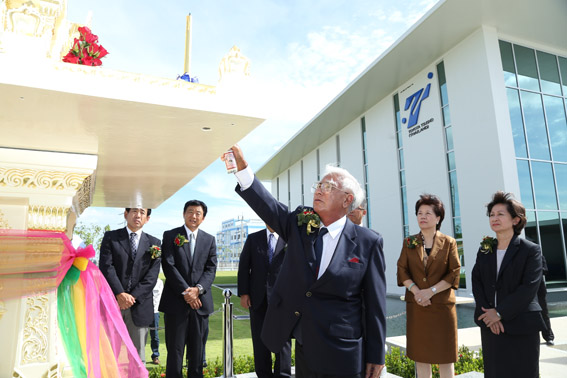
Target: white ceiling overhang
x: 151, y: 135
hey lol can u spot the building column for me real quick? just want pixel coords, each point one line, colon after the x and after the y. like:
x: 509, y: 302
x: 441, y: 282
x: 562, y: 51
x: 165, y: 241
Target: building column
x: 38, y: 191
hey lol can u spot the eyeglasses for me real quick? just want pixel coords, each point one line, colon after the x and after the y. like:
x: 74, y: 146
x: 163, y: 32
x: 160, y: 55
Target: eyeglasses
x: 325, y: 187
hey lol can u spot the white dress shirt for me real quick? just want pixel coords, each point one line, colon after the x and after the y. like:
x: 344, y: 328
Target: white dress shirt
x: 189, y: 232
x: 138, y: 233
x: 276, y: 237
x: 330, y: 241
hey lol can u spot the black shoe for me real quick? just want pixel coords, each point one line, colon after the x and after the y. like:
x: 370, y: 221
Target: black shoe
x: 549, y: 342
x: 204, y: 364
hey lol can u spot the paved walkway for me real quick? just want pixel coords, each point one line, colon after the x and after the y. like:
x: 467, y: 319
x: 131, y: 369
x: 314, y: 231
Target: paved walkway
x: 552, y: 360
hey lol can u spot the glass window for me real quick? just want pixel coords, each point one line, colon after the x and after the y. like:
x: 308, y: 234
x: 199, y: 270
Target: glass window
x: 526, y: 193
x: 561, y: 177
x: 508, y: 64
x: 449, y: 137
x: 400, y: 143
x: 517, y: 122
x: 551, y: 243
x: 451, y: 160
x: 442, y: 83
x: 535, y: 125
x: 397, y: 112
x: 527, y: 69
x: 401, y: 153
x: 405, y: 205
x: 549, y: 73
x: 402, y: 178
x: 531, y: 227
x: 454, y: 193
x: 458, y: 229
x: 557, y: 126
x: 563, y: 70
x: 544, y: 186
x: 461, y: 254
x: 462, y: 280
x: 446, y: 116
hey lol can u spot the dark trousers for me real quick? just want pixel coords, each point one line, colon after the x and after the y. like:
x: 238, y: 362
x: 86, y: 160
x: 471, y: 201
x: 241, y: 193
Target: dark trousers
x: 547, y: 334
x: 184, y: 330
x: 205, y: 337
x: 154, y: 336
x: 262, y: 355
x: 303, y: 371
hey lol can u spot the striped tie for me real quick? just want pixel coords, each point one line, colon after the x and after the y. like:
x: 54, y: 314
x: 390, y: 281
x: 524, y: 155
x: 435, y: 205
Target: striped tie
x: 134, y: 244
x: 271, y: 248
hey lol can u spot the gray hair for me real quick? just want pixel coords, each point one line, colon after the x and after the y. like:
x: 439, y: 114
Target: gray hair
x: 348, y: 183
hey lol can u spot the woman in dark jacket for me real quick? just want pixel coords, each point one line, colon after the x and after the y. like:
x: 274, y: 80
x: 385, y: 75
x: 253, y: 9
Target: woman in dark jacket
x: 505, y: 280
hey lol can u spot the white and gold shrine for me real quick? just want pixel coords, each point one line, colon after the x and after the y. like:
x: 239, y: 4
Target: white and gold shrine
x: 73, y: 136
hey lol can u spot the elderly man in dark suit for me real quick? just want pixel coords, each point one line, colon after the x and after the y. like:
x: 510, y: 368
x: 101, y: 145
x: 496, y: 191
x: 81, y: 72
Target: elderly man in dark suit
x: 331, y: 267
x: 260, y: 262
x: 189, y: 264
x: 129, y: 260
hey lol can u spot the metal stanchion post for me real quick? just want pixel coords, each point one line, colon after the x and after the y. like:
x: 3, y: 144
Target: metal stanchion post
x: 227, y: 336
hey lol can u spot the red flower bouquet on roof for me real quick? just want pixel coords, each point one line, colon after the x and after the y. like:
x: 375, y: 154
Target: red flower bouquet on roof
x: 86, y: 49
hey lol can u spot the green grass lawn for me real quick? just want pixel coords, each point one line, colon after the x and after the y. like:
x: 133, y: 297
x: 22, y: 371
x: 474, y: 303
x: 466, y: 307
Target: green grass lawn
x: 241, y: 328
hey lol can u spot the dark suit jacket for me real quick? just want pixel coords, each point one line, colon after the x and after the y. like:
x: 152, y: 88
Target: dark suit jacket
x: 330, y: 308
x: 117, y: 266
x: 517, y: 284
x: 254, y: 270
x: 181, y: 273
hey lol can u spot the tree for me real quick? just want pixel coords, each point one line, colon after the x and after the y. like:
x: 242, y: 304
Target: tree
x: 91, y: 234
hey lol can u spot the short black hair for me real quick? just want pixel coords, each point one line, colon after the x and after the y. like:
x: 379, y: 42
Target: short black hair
x: 196, y: 203
x: 148, y: 214
x: 433, y: 201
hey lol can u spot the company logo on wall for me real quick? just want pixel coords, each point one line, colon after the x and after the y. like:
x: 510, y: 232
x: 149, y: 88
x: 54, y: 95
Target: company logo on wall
x: 413, y: 104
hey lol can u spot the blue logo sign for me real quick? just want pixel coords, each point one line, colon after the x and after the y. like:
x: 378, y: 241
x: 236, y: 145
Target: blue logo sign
x: 415, y: 101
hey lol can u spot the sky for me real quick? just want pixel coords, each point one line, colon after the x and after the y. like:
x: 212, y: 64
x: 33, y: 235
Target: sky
x: 302, y: 53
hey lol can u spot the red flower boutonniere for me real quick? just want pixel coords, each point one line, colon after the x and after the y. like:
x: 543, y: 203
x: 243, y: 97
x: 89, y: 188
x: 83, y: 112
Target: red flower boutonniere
x: 412, y: 241
x: 310, y: 218
x: 354, y: 260
x: 488, y: 244
x: 86, y: 49
x: 155, y: 252
x: 180, y: 240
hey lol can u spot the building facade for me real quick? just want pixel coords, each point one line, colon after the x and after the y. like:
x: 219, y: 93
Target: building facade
x: 231, y: 239
x: 471, y: 100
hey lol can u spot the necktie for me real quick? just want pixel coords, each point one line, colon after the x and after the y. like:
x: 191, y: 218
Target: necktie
x: 319, y: 248
x: 271, y: 248
x: 192, y: 244
x: 134, y: 244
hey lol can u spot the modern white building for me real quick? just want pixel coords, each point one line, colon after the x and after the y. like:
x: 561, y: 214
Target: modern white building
x: 469, y: 101
x: 231, y: 239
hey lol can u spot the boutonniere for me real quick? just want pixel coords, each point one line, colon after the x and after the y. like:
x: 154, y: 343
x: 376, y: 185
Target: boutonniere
x: 412, y: 241
x: 180, y: 240
x: 487, y: 244
x: 155, y: 252
x: 310, y: 218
